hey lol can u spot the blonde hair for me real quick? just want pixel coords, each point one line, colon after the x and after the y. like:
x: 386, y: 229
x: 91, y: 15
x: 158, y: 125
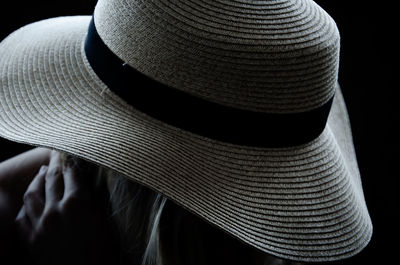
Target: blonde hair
x: 153, y: 230
x: 136, y: 212
x: 133, y: 209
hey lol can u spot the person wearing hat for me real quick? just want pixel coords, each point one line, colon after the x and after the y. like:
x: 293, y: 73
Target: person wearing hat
x: 216, y: 131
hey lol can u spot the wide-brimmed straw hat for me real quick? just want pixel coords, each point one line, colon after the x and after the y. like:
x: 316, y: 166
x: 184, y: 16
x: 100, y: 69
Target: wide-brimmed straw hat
x: 229, y: 108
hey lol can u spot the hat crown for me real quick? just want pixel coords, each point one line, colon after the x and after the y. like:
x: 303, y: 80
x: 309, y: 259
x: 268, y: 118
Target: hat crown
x: 277, y: 56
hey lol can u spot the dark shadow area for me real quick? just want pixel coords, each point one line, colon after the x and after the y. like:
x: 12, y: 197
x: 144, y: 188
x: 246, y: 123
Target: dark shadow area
x: 366, y: 75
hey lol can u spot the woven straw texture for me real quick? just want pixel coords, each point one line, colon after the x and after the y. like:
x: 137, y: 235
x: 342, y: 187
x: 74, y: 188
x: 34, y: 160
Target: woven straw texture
x: 302, y: 203
x: 269, y: 56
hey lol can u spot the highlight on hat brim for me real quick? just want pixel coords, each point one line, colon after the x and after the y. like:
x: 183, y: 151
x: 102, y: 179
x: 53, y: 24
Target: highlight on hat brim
x: 301, y: 203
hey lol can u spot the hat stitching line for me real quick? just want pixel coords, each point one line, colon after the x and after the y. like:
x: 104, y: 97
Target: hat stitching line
x: 253, y: 221
x: 163, y: 25
x: 265, y: 17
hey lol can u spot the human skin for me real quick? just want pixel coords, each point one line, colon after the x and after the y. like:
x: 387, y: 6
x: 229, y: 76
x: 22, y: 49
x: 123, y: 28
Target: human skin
x: 53, y: 211
x: 15, y: 175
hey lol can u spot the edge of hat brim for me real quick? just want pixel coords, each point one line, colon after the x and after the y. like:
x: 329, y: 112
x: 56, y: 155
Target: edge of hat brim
x: 15, y: 125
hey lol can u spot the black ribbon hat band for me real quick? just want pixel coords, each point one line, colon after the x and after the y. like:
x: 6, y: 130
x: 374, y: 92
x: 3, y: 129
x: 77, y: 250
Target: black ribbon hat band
x: 197, y: 115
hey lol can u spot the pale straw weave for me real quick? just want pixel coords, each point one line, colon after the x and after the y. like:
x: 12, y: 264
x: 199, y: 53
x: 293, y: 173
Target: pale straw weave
x: 302, y: 203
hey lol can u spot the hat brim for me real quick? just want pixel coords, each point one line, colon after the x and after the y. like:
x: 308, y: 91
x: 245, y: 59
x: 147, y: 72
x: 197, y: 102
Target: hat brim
x: 302, y: 203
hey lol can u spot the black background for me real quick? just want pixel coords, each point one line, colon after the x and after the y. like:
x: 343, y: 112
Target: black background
x: 367, y: 74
